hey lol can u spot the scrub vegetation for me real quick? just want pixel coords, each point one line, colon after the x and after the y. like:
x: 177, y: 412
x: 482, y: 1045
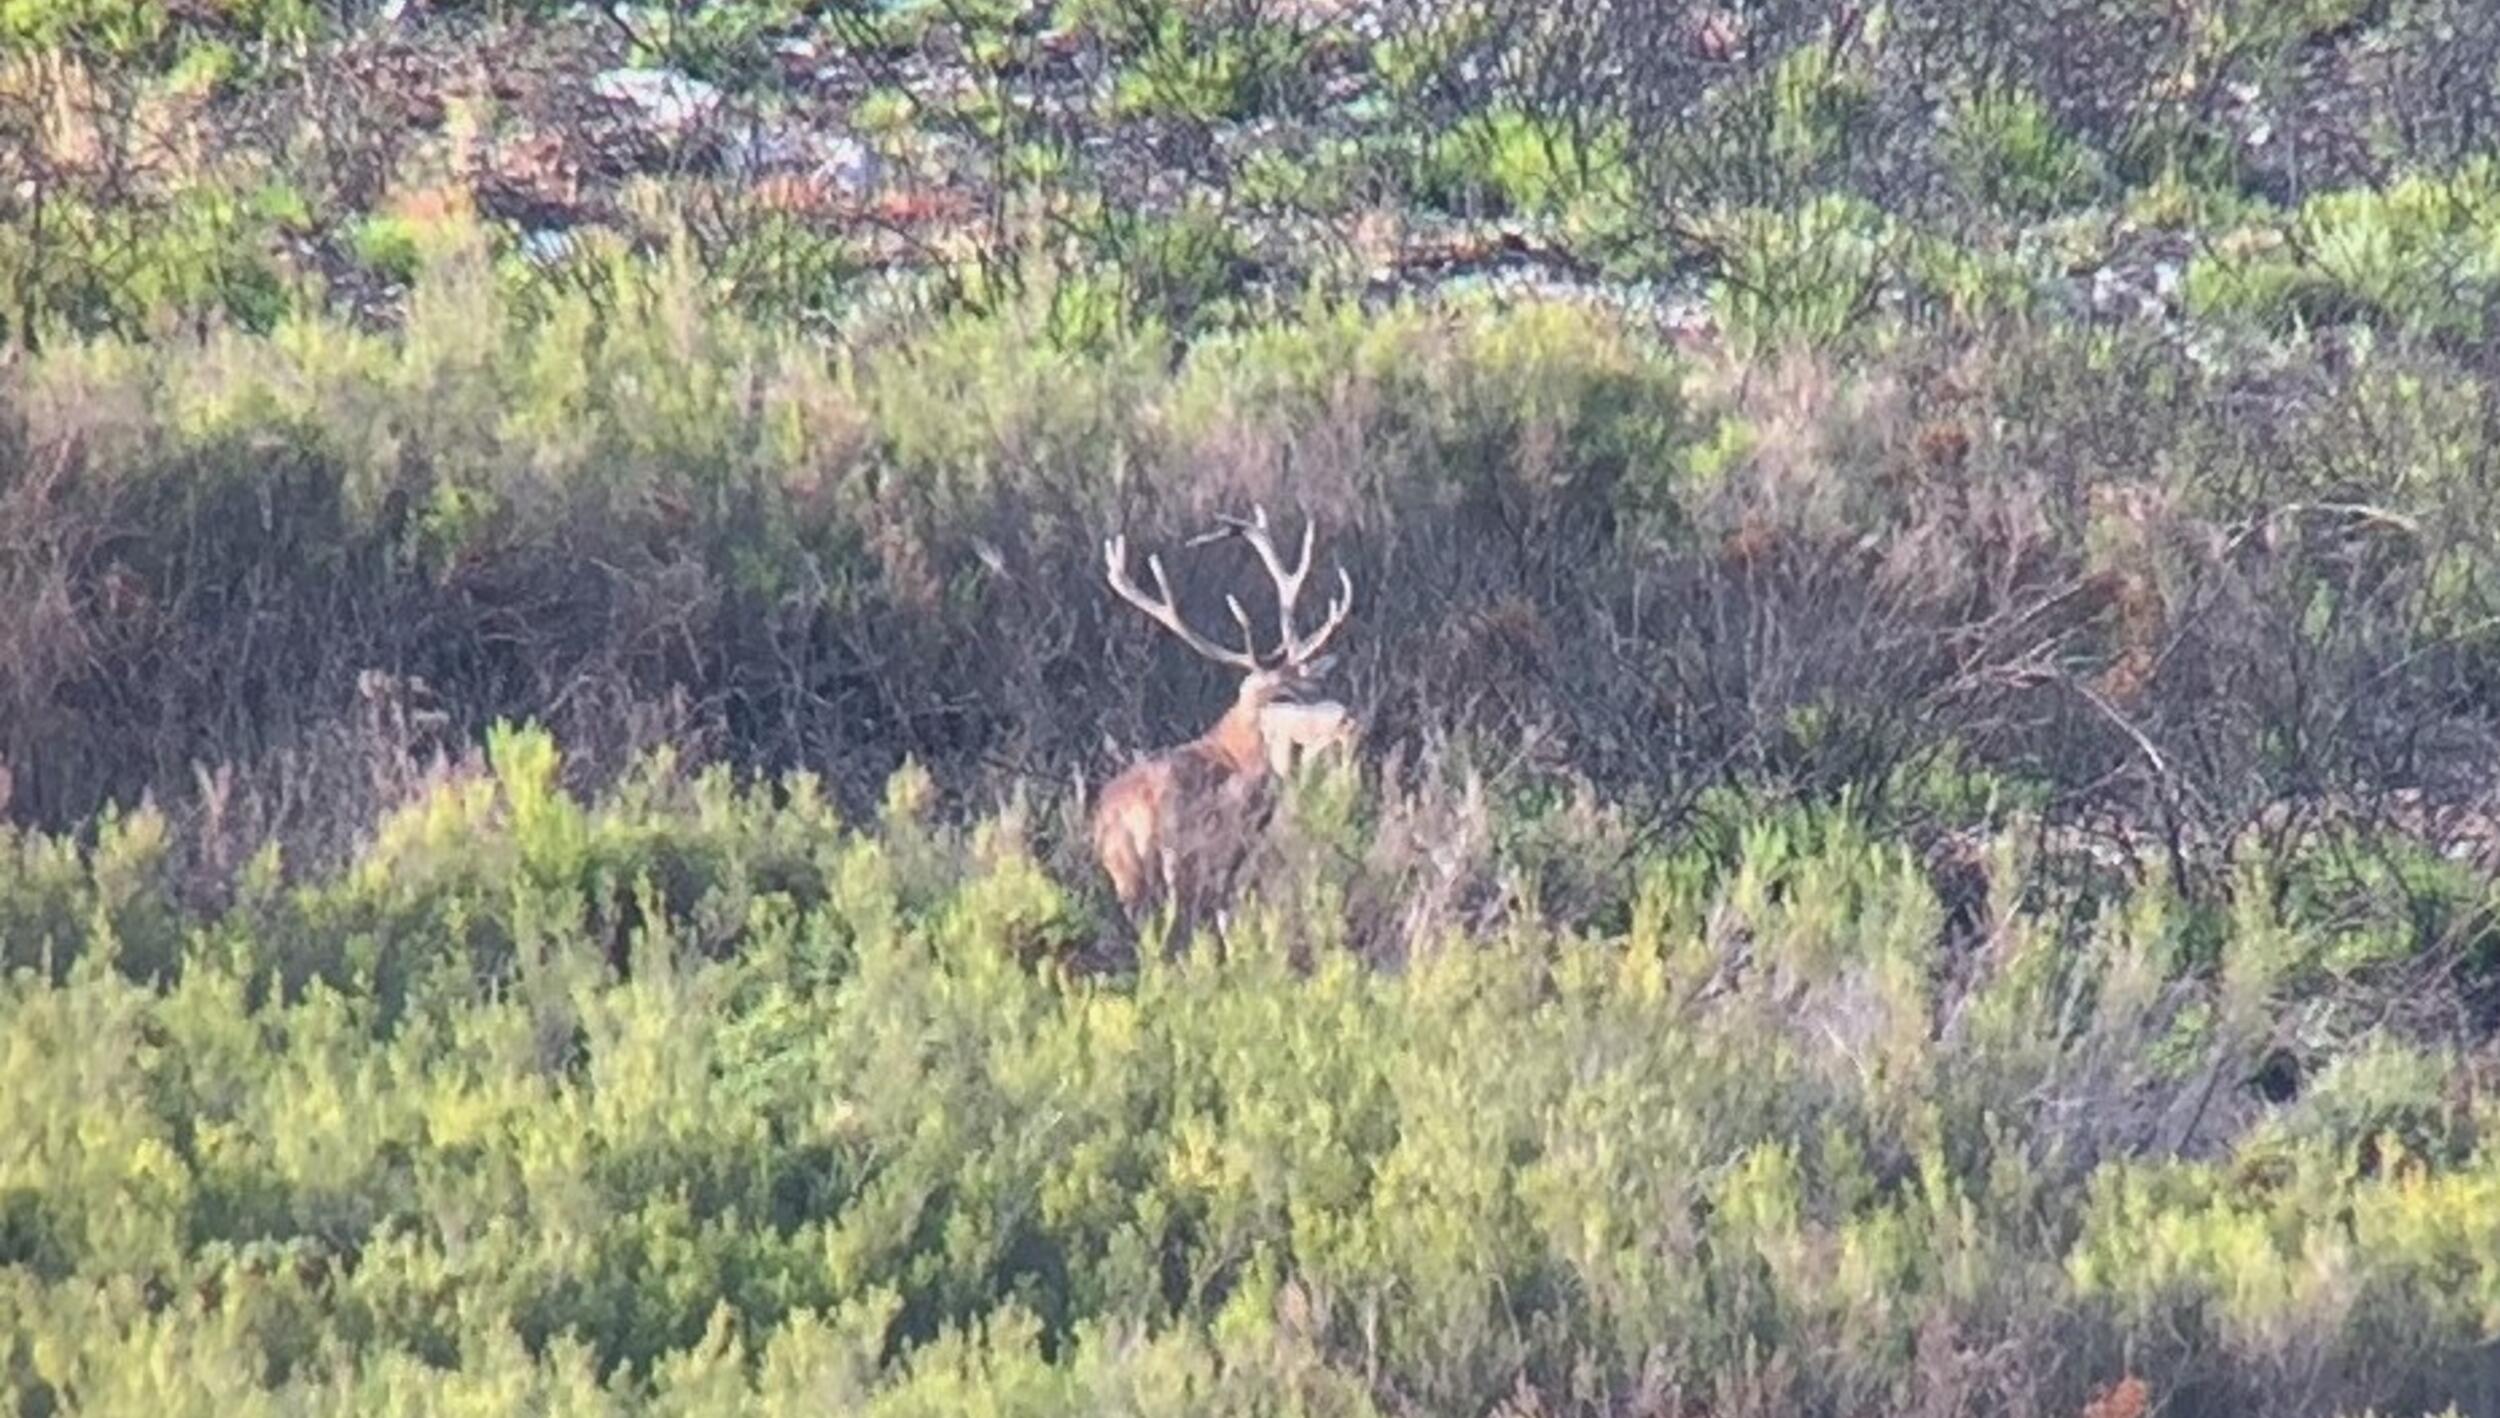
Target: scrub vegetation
x: 1923, y: 835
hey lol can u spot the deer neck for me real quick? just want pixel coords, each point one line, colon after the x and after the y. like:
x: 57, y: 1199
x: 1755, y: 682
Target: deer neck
x: 1237, y: 739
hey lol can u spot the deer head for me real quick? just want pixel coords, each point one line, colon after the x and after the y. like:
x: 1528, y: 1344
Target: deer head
x: 1296, y: 662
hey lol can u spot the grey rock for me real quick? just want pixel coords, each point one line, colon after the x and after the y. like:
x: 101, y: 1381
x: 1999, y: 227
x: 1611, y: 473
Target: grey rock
x: 665, y: 100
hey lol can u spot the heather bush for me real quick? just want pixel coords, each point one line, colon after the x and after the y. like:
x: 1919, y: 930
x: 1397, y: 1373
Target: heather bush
x: 2189, y: 589
x: 752, y: 1100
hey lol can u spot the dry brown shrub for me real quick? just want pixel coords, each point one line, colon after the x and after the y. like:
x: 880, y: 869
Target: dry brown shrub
x: 1944, y: 445
x: 2129, y: 520
x: 2127, y: 1398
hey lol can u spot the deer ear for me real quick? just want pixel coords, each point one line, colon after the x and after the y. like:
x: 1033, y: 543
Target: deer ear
x: 1319, y: 667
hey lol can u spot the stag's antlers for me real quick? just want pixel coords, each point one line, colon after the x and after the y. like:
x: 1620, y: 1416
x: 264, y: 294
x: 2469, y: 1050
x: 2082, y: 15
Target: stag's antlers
x: 1293, y: 650
x: 1166, y: 611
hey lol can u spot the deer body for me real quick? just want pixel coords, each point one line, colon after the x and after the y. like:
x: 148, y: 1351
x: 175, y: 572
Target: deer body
x: 1146, y: 815
x: 1165, y: 822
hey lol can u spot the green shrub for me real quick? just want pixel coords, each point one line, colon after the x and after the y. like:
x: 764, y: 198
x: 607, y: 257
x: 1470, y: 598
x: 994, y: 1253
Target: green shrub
x: 2007, y: 153
x: 389, y: 247
x: 2421, y: 256
x: 1525, y: 165
x: 204, y: 254
x: 1179, y: 66
x: 756, y: 1102
x: 1813, y: 274
x: 725, y: 44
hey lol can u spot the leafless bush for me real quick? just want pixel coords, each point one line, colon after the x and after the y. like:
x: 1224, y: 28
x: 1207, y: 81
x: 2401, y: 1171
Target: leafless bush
x: 2093, y: 588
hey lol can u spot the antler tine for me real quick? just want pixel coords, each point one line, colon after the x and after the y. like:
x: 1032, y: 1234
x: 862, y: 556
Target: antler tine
x: 1224, y: 527
x: 1288, y: 583
x: 1338, y: 606
x: 1292, y: 647
x: 1241, y: 618
x: 1166, y: 611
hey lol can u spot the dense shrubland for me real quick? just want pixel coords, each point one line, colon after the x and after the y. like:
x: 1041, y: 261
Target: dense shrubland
x: 1923, y: 841
x: 694, y: 1096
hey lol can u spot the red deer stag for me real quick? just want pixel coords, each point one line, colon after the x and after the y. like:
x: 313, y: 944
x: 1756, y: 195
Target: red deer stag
x: 1167, y: 819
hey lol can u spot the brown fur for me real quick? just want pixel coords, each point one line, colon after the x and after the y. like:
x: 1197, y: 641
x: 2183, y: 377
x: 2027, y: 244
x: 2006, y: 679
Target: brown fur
x: 1161, y: 821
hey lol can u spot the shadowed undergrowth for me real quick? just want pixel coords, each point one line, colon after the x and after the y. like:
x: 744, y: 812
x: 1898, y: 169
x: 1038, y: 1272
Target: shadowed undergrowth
x: 2179, y: 592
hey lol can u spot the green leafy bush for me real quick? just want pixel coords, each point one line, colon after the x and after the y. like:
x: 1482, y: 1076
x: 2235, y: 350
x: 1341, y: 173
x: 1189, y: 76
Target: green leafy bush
x: 86, y: 267
x: 2008, y: 154
x: 1525, y: 165
x: 2422, y: 256
x: 1182, y: 66
x: 750, y: 1101
x: 1811, y: 274
x: 389, y: 247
